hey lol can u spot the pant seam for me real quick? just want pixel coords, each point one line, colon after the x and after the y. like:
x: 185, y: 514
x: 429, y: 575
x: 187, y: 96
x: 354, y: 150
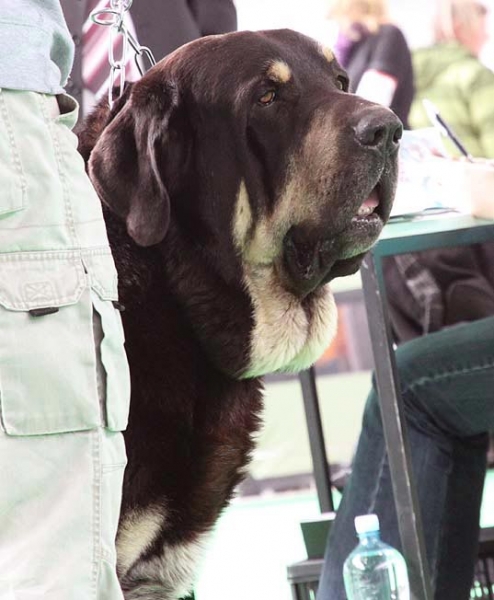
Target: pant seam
x: 63, y: 180
x: 15, y: 154
x: 422, y: 381
x: 96, y: 512
x: 373, y: 496
x: 3, y: 428
x: 436, y: 380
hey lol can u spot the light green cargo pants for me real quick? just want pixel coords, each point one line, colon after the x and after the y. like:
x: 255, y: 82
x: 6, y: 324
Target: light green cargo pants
x: 64, y: 381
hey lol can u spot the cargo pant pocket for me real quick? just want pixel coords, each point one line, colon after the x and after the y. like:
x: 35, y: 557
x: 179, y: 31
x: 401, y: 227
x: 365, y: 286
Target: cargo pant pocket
x: 115, y: 366
x: 48, y: 370
x: 50, y: 358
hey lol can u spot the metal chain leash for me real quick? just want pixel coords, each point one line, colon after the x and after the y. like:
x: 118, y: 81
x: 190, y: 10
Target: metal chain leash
x: 113, y: 17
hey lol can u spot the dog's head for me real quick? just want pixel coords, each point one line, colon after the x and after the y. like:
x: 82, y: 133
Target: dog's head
x: 251, y: 143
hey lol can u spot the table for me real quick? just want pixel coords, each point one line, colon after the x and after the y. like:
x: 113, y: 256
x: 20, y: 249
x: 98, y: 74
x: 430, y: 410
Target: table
x: 398, y: 238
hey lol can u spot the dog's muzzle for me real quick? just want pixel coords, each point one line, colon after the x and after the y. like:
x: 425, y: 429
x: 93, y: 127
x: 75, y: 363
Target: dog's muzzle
x: 315, y: 254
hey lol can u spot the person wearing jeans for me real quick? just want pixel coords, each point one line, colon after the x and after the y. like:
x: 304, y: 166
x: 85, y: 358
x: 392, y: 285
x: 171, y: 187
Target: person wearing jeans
x: 64, y: 378
x: 447, y: 384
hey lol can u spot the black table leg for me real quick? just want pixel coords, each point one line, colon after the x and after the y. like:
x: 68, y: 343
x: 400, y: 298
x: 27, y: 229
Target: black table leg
x: 320, y: 464
x: 408, y: 511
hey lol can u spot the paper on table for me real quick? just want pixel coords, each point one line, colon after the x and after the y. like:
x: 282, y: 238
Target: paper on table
x: 426, y: 179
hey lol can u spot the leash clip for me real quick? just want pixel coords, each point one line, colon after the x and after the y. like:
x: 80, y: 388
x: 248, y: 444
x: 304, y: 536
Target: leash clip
x: 113, y: 17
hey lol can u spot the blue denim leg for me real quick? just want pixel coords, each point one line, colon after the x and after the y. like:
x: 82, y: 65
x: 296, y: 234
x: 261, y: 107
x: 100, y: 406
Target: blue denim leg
x: 447, y: 382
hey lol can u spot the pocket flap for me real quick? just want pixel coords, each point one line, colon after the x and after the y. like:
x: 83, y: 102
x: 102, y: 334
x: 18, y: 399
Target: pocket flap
x: 40, y: 280
x: 103, y: 272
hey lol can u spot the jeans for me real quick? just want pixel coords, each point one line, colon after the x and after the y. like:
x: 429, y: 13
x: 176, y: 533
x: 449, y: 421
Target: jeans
x: 447, y: 383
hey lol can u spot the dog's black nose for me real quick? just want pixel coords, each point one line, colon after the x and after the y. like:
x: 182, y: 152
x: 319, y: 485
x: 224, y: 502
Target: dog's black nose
x: 379, y: 128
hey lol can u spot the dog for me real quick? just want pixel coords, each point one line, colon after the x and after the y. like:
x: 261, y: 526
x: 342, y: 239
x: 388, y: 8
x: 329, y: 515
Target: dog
x: 238, y: 178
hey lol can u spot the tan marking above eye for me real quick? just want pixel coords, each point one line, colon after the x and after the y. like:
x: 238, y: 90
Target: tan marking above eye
x: 279, y: 71
x: 327, y: 53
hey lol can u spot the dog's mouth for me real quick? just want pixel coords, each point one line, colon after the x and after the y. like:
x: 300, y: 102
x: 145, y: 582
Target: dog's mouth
x: 309, y: 261
x: 368, y: 208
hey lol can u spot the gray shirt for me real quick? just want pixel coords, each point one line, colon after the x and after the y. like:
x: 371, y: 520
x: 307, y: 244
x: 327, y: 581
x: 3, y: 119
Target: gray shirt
x: 36, y: 49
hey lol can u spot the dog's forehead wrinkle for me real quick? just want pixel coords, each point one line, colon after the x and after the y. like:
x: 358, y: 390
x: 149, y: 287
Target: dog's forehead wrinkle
x: 231, y: 49
x: 270, y: 47
x: 274, y: 57
x: 184, y: 58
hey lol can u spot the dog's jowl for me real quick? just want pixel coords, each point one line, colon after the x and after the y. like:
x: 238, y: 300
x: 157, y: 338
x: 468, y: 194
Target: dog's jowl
x: 238, y: 178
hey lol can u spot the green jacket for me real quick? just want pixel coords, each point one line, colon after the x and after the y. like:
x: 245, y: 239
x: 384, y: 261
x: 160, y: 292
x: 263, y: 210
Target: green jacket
x: 462, y: 89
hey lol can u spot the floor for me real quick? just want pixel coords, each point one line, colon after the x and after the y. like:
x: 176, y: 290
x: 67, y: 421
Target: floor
x: 257, y: 537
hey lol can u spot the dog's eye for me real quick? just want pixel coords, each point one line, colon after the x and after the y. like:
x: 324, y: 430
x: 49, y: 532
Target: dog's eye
x: 342, y: 83
x: 267, y: 98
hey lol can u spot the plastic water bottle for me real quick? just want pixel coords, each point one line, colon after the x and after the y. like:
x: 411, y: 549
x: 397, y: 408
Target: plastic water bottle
x: 374, y: 570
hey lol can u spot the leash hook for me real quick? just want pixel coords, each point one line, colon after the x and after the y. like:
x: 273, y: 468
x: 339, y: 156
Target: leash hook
x: 113, y: 17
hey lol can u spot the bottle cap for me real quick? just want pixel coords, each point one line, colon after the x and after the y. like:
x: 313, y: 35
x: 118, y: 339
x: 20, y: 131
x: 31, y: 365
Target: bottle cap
x: 366, y: 523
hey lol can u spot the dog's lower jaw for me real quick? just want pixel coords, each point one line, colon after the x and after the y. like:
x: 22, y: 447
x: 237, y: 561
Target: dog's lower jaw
x: 289, y: 334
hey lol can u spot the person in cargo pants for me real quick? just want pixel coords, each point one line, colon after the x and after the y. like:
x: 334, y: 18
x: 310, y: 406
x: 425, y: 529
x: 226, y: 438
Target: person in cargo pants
x: 64, y: 381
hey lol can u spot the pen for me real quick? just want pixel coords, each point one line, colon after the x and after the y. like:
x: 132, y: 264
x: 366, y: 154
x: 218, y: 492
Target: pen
x: 444, y: 128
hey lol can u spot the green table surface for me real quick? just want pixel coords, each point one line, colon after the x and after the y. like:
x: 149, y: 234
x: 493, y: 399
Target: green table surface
x: 422, y: 233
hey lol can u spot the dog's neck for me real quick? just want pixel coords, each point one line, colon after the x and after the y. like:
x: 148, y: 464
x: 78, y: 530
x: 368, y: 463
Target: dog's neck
x: 171, y: 277
x: 219, y: 313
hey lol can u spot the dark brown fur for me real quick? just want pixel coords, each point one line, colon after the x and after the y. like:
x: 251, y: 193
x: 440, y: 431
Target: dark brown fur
x: 168, y: 161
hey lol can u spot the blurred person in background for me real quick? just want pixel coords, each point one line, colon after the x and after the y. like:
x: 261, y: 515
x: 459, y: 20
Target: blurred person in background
x: 161, y: 25
x: 374, y: 52
x: 181, y: 21
x: 450, y: 74
x: 460, y: 280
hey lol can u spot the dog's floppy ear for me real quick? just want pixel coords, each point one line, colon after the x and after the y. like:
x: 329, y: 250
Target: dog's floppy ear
x: 124, y: 165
